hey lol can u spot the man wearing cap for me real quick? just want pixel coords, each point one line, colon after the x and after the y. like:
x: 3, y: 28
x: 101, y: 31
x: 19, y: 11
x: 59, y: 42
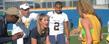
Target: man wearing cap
x: 28, y: 21
x: 13, y: 11
x: 10, y: 17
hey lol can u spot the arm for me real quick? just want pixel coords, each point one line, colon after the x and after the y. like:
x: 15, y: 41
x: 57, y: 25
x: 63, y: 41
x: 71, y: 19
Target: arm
x: 47, y: 40
x: 33, y: 41
x: 33, y: 36
x: 87, y: 28
x: 5, y: 39
x: 10, y: 38
x: 3, y: 36
x: 74, y: 31
x: 101, y: 34
x: 66, y: 26
x: 66, y: 29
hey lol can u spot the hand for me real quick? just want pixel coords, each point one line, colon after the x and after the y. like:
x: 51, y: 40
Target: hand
x: 20, y: 34
x: 101, y: 37
x: 74, y: 32
x: 17, y: 36
x: 80, y: 37
x: 67, y: 40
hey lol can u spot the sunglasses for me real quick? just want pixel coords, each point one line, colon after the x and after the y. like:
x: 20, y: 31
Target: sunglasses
x: 25, y: 9
x: 16, y: 16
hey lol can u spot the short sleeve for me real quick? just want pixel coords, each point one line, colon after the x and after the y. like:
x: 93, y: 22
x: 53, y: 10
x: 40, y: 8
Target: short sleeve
x: 50, y: 13
x: 33, y: 33
x: 33, y: 16
x: 65, y: 17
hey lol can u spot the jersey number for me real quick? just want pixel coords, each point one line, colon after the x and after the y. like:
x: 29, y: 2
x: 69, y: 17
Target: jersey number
x: 56, y: 26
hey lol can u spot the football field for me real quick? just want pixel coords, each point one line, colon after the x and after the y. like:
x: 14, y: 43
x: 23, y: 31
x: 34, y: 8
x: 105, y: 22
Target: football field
x: 75, y: 40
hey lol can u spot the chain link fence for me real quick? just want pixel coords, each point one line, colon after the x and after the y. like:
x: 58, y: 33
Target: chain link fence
x: 49, y: 3
x: 4, y: 4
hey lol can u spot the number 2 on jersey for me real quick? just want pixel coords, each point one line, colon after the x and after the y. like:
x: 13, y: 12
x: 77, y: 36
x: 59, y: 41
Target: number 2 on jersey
x: 56, y: 26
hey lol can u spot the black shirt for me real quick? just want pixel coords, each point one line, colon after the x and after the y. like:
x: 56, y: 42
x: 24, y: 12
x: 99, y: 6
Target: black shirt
x: 40, y: 37
x: 3, y: 31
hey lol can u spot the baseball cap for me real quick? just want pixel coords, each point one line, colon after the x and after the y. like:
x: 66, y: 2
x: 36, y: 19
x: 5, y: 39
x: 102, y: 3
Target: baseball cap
x: 24, y: 6
x: 12, y: 11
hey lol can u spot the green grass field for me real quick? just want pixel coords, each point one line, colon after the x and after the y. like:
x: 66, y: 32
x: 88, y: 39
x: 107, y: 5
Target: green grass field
x: 74, y: 39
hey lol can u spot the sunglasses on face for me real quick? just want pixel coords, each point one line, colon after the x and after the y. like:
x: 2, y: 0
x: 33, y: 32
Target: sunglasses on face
x: 16, y: 16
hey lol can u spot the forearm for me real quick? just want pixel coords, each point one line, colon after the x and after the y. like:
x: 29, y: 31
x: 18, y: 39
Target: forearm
x: 88, y: 35
x: 33, y: 41
x: 67, y: 33
x: 5, y: 39
x: 87, y: 25
x: 67, y: 29
x: 101, y: 35
x: 47, y: 40
x: 89, y: 38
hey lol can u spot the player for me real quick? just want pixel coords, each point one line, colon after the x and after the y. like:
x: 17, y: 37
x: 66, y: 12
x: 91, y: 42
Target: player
x: 58, y: 22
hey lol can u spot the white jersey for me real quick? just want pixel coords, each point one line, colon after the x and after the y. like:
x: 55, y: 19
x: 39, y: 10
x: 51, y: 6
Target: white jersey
x: 56, y: 23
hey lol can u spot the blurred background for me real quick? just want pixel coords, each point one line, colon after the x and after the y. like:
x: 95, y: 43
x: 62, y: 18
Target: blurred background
x: 49, y: 3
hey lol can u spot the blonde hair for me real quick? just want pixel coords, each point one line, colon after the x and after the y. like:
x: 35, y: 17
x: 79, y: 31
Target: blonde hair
x: 39, y: 18
x: 85, y: 6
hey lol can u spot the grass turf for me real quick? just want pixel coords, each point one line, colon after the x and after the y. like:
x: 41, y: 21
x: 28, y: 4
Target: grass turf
x: 74, y: 39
